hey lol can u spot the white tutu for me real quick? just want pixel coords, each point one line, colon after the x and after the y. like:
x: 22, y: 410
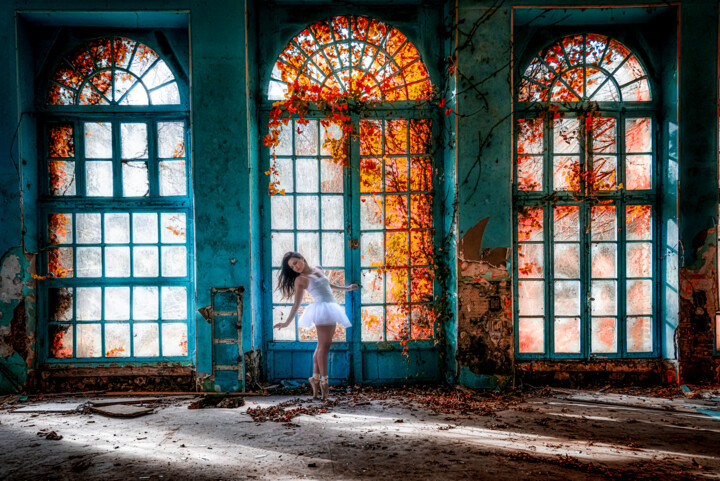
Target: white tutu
x: 324, y: 314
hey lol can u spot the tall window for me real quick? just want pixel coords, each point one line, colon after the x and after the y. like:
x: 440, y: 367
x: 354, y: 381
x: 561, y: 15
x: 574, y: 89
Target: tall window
x: 585, y: 203
x: 380, y: 200
x: 116, y: 207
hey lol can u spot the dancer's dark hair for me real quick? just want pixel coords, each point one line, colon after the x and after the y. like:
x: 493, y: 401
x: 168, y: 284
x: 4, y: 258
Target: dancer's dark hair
x: 287, y: 276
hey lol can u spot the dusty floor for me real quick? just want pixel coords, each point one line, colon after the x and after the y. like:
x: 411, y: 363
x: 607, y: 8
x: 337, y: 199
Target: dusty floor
x: 368, y: 434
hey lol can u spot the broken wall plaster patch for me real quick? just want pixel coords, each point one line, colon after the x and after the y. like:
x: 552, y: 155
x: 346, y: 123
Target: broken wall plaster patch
x: 11, y: 285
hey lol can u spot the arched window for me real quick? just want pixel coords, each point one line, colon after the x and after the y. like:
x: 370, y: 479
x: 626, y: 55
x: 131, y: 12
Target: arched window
x: 585, y: 203
x: 370, y: 218
x: 115, y: 208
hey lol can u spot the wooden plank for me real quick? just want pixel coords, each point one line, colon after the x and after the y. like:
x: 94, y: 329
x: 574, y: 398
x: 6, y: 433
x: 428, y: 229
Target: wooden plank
x: 122, y: 411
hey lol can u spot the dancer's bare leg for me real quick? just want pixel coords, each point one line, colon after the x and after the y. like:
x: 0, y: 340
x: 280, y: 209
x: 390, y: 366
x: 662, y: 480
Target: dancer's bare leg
x: 325, y: 335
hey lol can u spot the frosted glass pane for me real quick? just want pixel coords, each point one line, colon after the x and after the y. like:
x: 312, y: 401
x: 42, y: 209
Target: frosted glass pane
x: 145, y: 261
x: 174, y: 339
x: 309, y: 247
x: 530, y: 172
x: 174, y: 261
x: 60, y: 262
x: 638, y: 222
x: 604, y: 298
x: 372, y: 319
x: 638, y: 172
x: 567, y: 335
x: 333, y: 212
x: 373, y: 286
x: 117, y: 228
x: 287, y: 333
x: 157, y: 75
x: 145, y: 303
x: 604, y: 335
x: 331, y: 176
x: 117, y: 261
x: 174, y: 303
x: 333, y: 249
x: 531, y: 298
x: 306, y: 175
x: 171, y: 139
x: 117, y: 340
x: 89, y: 340
x: 135, y: 179
x: 88, y: 228
x: 145, y: 340
x: 530, y: 224
x: 639, y: 334
x: 639, y: 297
x: 172, y: 228
x: 282, y: 212
x: 639, y: 259
x: 61, y: 345
x: 281, y: 243
x: 372, y: 249
x: 133, y: 138
x: 371, y: 212
x: 145, y: 228
x: 172, y: 178
x: 306, y: 138
x: 136, y: 96
x: 566, y: 172
x: 605, y: 172
x: 566, y: 136
x: 167, y: 95
x: 604, y: 227
x: 307, y: 213
x: 638, y: 135
x: 123, y: 83
x: 567, y: 298
x: 566, y: 220
x: 89, y: 262
x: 531, y: 335
x: 531, y: 261
x: 530, y: 136
x: 604, y: 260
x: 60, y: 300
x: 99, y: 178
x: 89, y: 305
x: 62, y: 178
x: 98, y: 140
x: 284, y: 176
x: 284, y: 146
x: 567, y: 261
x: 117, y: 303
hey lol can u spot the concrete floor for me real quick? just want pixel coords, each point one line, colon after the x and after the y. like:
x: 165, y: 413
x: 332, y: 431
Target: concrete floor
x: 410, y: 434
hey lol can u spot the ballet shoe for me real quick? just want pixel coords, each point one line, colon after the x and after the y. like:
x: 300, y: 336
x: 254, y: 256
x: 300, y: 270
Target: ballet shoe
x: 315, y: 385
x: 324, y: 388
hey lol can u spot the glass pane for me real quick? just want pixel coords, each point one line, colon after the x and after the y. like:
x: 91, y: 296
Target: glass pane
x: 117, y: 340
x: 396, y: 285
x: 330, y: 135
x: 145, y: 303
x: 286, y: 333
x: 89, y: 262
x: 172, y: 178
x: 421, y: 323
x: 283, y: 214
x: 174, y: 261
x: 284, y: 176
x: 396, y: 211
x: 157, y: 75
x: 604, y: 335
x: 530, y: 172
x: 639, y: 334
x: 395, y: 136
x: 373, y: 286
x: 306, y: 175
x: 604, y: 175
x: 566, y: 223
x: 530, y: 136
x: 60, y: 303
x: 89, y: 305
x: 372, y: 319
x: 136, y: 96
x: 333, y: 212
x: 421, y: 174
x: 309, y: 247
x: 638, y: 222
x: 61, y: 344
x: 604, y: 260
x: 117, y: 303
x: 421, y: 209
x: 117, y: 228
x: 172, y: 228
x: 133, y: 138
x: 60, y: 229
x: 88, y: 228
x: 145, y: 340
x: 174, y: 303
x: 531, y: 298
x: 135, y: 179
x: 284, y: 146
x: 171, y: 139
x: 281, y: 243
x: 604, y: 298
x: 331, y: 176
x: 567, y: 261
x: 638, y: 172
x: 371, y: 212
x: 566, y: 172
x: 566, y: 136
x: 603, y: 135
x: 145, y: 228
x: 306, y: 138
x: 370, y: 175
x: 639, y: 259
x: 567, y: 298
x: 396, y: 174
x: 421, y: 285
x: 604, y: 227
x: 145, y: 261
x: 638, y: 91
x: 531, y: 260
x: 530, y: 224
x: 174, y: 339
x: 60, y: 262
x: 531, y: 335
x: 396, y: 323
x: 167, y: 95
x: 61, y: 141
x: 333, y: 249
x: 638, y: 135
x: 639, y: 297
x: 98, y: 140
x: 307, y: 213
x: 370, y: 137
x: 99, y: 179
x: 567, y: 335
x: 62, y: 178
x: 117, y: 261
x: 89, y: 340
x: 371, y: 249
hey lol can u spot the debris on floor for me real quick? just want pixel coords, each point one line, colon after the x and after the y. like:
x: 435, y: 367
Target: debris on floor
x: 213, y: 401
x: 279, y: 414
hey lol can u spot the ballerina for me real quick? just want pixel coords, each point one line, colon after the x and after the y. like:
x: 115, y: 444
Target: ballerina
x: 324, y: 313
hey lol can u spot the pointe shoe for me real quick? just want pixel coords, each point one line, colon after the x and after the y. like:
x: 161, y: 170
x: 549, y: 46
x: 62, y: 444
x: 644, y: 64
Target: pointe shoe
x: 315, y: 385
x: 324, y: 388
